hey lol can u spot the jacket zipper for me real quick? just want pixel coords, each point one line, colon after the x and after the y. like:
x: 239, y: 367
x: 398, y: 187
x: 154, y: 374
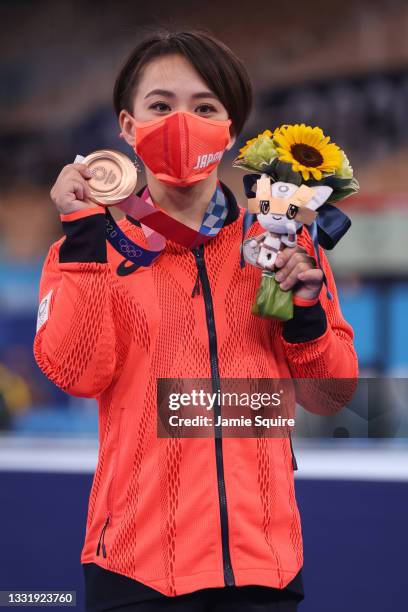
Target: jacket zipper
x: 209, y: 312
x: 294, y: 462
x: 101, y: 541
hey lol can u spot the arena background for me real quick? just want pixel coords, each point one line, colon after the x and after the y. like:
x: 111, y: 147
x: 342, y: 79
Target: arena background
x: 340, y: 65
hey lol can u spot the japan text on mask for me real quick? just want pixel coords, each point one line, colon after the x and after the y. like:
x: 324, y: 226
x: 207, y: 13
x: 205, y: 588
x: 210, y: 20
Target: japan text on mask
x: 181, y: 148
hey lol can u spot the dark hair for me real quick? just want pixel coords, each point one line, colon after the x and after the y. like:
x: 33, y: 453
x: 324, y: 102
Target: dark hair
x: 221, y: 69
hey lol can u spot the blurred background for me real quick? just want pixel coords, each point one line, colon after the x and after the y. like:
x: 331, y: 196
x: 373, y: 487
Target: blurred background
x: 341, y: 65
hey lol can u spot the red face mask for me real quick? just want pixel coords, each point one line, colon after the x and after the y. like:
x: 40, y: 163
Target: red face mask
x: 181, y: 148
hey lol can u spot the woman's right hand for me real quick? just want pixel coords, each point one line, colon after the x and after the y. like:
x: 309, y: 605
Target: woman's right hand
x: 71, y: 191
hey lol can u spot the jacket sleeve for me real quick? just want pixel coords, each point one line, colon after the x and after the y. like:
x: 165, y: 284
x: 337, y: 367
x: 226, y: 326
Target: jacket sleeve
x: 74, y: 344
x: 318, y: 341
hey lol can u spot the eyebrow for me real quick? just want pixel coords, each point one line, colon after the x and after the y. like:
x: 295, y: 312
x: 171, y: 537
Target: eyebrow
x: 171, y: 94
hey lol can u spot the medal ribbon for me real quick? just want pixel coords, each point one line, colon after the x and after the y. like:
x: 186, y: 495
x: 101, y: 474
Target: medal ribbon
x: 159, y: 226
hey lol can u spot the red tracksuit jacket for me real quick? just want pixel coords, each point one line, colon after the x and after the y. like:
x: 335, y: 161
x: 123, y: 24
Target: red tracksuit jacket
x: 180, y: 514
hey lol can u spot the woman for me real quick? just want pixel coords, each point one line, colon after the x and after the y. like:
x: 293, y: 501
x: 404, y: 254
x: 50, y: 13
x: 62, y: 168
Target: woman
x: 193, y: 524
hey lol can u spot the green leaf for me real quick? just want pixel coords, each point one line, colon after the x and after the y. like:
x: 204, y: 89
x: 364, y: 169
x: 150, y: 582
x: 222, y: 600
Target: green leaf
x: 277, y: 170
x: 331, y: 181
x: 283, y: 172
x: 342, y: 188
x: 341, y: 194
x: 245, y: 166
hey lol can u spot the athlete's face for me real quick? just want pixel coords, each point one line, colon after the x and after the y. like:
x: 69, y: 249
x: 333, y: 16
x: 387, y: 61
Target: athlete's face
x: 167, y: 84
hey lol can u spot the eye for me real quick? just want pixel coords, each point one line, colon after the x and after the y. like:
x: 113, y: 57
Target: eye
x: 160, y: 107
x: 206, y: 109
x: 292, y: 211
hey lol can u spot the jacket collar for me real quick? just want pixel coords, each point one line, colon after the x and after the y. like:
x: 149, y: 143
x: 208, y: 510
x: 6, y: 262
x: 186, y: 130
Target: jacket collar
x: 233, y: 208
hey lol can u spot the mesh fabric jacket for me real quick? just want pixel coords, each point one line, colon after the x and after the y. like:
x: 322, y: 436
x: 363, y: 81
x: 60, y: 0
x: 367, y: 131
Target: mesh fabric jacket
x: 180, y: 514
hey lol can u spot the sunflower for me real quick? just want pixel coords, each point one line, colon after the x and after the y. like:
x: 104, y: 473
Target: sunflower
x: 308, y: 150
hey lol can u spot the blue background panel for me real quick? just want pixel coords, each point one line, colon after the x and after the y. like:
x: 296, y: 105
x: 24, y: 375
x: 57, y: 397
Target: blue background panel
x: 355, y: 538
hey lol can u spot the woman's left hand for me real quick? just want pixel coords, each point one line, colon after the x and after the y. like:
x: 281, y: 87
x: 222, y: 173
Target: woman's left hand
x: 295, y: 267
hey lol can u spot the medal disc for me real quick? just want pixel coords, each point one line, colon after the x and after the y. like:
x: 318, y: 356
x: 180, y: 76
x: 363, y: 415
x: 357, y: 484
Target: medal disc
x: 114, y: 177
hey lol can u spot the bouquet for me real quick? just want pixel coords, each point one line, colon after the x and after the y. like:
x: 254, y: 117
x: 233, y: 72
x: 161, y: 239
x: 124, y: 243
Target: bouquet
x: 299, y: 174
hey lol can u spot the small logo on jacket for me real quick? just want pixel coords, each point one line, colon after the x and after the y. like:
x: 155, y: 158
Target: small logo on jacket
x: 43, y: 310
x: 124, y: 270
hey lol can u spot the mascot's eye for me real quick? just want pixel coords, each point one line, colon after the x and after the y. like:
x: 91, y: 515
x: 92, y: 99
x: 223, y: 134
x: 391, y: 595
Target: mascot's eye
x: 292, y: 211
x: 264, y: 206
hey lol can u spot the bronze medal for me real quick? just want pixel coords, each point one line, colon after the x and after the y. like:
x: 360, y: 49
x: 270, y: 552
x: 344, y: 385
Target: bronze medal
x: 114, y: 177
